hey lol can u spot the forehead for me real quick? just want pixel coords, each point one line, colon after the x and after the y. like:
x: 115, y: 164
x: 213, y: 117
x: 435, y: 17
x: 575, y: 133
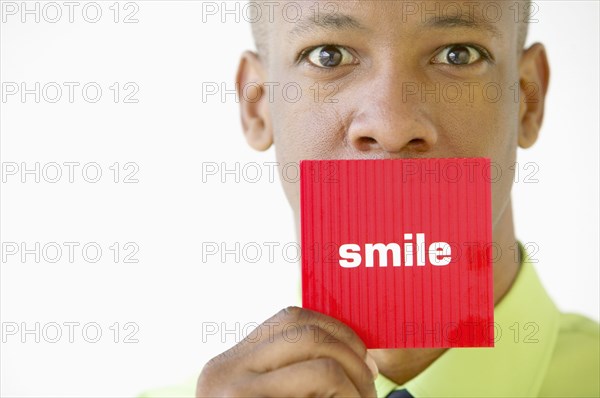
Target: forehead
x: 301, y: 17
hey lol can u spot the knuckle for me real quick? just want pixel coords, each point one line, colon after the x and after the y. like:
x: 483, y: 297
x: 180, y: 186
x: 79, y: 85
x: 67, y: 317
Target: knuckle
x: 218, y: 386
x: 211, y: 371
x: 212, y: 365
x: 286, y: 312
x: 226, y: 359
x: 290, y: 313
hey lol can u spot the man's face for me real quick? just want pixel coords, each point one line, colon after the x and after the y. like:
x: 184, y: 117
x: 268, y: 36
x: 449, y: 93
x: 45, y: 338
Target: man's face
x: 397, y: 79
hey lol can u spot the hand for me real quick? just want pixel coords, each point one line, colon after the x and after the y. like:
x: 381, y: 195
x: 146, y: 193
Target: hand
x: 296, y: 353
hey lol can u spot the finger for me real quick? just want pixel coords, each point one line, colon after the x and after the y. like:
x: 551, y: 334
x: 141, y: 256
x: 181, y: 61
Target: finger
x: 291, y: 317
x: 306, y: 343
x: 320, y: 377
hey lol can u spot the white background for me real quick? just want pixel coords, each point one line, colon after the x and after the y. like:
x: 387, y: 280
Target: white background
x: 170, y: 293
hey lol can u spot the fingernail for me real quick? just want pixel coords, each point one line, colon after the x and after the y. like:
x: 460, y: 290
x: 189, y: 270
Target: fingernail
x: 372, y: 365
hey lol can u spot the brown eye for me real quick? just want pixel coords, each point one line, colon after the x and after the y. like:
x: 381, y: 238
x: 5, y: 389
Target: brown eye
x: 457, y: 55
x: 330, y: 56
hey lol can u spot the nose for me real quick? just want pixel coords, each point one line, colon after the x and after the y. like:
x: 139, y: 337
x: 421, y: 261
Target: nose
x: 387, y: 120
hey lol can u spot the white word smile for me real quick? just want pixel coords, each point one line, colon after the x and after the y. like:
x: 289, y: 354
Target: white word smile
x: 438, y: 253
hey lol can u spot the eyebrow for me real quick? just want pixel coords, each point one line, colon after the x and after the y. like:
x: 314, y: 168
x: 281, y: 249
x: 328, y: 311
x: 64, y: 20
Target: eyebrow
x: 472, y: 22
x: 330, y: 22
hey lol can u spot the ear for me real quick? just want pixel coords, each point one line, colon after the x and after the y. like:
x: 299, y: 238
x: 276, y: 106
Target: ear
x: 534, y: 75
x: 254, y: 107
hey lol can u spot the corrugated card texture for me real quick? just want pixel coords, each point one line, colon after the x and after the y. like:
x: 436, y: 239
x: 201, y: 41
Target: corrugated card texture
x: 414, y: 300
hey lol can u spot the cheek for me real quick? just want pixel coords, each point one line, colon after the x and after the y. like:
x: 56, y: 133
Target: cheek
x: 304, y: 129
x: 482, y: 122
x: 487, y: 126
x: 307, y: 130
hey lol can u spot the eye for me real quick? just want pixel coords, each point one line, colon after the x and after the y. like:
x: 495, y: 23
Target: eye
x: 328, y: 56
x: 460, y: 54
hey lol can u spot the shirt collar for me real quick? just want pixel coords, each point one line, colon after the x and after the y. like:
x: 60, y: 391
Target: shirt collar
x: 526, y: 327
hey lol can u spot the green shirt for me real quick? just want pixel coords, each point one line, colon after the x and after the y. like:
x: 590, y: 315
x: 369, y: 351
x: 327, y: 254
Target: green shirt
x: 539, y: 351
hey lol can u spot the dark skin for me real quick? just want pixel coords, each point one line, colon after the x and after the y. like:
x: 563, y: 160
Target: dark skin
x: 373, y: 57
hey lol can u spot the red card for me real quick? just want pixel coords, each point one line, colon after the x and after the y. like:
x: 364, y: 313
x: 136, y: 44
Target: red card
x: 400, y: 250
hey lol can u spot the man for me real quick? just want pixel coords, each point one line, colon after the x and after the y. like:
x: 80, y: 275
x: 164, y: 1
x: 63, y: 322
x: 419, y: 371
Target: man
x: 387, y: 66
